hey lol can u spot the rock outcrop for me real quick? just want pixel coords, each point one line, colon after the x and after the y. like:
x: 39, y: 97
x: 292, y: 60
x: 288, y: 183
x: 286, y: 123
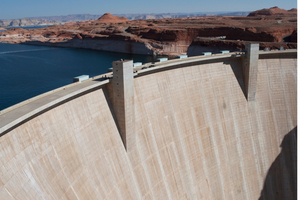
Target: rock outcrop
x: 273, y: 11
x: 109, y: 18
x: 166, y: 36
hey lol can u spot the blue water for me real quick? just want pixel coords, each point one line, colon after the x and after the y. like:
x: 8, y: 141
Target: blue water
x: 27, y: 27
x: 27, y: 71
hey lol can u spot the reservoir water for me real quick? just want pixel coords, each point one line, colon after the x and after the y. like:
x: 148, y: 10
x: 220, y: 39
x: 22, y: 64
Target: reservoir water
x: 27, y: 71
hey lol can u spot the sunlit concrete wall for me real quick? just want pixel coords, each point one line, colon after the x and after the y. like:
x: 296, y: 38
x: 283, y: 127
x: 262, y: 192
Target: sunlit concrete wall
x: 197, y: 137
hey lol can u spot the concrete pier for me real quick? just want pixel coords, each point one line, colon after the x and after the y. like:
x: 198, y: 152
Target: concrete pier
x: 250, y: 70
x: 123, y: 97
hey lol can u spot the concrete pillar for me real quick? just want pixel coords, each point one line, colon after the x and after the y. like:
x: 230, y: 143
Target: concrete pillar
x: 250, y: 66
x: 123, y: 97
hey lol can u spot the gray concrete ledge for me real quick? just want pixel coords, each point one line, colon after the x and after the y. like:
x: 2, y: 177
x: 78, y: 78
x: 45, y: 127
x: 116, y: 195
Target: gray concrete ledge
x: 287, y: 51
x: 148, y: 67
x: 190, y: 60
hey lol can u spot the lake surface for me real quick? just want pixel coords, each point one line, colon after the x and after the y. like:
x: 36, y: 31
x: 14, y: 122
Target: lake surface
x: 27, y: 71
x: 26, y: 27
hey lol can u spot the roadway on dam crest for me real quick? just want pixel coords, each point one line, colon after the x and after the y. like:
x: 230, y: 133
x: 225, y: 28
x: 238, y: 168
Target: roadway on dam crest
x: 11, y: 117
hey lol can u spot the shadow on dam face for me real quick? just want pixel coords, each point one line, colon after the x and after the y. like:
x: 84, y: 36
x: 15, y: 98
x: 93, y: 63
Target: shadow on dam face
x: 238, y: 72
x: 281, y: 175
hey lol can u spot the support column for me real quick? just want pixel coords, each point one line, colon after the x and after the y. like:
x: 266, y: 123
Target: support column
x: 123, y: 101
x: 250, y: 67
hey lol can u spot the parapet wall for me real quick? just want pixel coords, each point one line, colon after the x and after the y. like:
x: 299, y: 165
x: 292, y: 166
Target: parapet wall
x: 197, y: 137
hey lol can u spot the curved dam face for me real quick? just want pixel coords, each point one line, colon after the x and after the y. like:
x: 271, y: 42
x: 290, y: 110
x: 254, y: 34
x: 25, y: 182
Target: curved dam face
x: 196, y: 137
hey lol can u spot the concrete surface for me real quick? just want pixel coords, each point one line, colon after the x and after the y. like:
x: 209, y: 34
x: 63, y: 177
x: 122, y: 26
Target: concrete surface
x: 123, y: 101
x: 197, y: 137
x: 250, y: 69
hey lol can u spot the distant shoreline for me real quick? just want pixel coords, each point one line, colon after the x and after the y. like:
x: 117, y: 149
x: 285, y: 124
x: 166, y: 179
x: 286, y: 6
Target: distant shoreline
x: 29, y: 26
x: 187, y: 35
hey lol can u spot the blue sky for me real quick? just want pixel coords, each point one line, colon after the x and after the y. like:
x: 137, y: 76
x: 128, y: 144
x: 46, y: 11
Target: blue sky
x: 13, y: 9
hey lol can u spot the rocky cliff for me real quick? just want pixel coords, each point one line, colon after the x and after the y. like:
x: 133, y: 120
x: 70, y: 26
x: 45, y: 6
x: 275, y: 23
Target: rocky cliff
x: 84, y: 17
x: 275, y: 28
x: 273, y: 12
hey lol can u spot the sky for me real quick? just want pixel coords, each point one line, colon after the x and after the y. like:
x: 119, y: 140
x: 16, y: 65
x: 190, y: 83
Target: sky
x: 14, y: 9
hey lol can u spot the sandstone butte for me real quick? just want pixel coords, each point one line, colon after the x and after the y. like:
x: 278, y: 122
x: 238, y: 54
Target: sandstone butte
x: 272, y: 28
x: 109, y: 18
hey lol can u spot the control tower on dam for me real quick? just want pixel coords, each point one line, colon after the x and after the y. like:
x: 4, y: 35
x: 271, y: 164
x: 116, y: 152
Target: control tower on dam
x: 220, y: 126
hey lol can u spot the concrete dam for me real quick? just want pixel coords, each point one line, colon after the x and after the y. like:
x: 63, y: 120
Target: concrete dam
x: 222, y: 126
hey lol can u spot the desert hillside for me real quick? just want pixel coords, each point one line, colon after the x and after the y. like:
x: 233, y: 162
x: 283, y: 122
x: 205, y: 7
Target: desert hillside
x: 271, y: 28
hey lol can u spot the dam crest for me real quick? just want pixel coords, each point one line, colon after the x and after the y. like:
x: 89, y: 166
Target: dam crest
x: 222, y: 126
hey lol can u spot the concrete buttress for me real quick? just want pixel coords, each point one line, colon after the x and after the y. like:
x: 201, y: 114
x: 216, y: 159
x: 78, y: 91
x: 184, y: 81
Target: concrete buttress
x: 123, y: 97
x: 250, y: 70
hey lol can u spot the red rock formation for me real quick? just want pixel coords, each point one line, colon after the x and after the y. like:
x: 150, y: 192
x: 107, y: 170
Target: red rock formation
x: 294, y: 10
x: 109, y: 18
x: 165, y: 36
x: 273, y: 11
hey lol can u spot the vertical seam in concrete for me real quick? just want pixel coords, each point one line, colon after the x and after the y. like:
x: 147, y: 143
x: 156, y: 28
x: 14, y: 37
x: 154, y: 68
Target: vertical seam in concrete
x: 213, y: 134
x: 238, y: 148
x: 272, y: 104
x: 192, y: 188
x: 271, y: 101
x: 56, y: 155
x: 286, y: 97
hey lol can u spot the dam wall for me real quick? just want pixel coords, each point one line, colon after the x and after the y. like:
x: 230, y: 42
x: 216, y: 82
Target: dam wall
x: 197, y: 136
